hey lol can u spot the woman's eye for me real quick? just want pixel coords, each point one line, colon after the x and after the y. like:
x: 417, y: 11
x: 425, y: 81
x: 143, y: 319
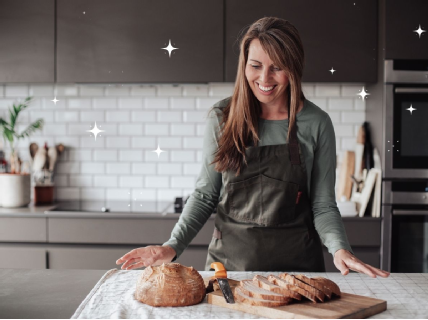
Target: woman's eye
x: 276, y: 69
x: 255, y: 67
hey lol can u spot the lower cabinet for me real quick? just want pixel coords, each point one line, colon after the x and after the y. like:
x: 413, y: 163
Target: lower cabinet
x: 16, y: 256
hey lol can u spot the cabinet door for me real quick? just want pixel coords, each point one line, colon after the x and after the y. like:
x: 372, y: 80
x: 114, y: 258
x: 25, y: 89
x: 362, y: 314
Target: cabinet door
x: 27, y: 35
x: 336, y: 34
x: 22, y: 257
x: 121, y: 41
x: 401, y: 19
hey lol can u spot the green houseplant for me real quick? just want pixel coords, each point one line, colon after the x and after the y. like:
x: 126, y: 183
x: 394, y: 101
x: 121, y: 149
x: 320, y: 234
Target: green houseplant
x: 9, y: 133
x: 15, y: 188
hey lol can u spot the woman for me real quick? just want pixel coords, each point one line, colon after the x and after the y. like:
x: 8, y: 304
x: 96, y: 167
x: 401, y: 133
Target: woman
x: 276, y: 198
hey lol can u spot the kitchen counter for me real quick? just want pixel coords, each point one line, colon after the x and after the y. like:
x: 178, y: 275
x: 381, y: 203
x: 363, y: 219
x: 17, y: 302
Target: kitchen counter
x: 32, y: 293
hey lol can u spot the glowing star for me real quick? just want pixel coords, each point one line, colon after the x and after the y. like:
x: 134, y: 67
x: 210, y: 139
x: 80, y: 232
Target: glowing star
x: 411, y: 109
x: 55, y: 100
x: 158, y: 151
x: 332, y: 70
x: 363, y: 93
x: 169, y: 48
x: 95, y: 130
x: 419, y: 31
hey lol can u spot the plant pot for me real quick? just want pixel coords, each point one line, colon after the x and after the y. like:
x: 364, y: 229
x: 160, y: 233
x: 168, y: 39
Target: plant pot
x: 15, y: 190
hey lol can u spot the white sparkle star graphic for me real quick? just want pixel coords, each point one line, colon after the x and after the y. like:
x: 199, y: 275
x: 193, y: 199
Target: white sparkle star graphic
x: 95, y: 130
x: 332, y: 70
x: 411, y: 109
x: 158, y: 151
x: 363, y: 93
x: 169, y: 48
x: 55, y: 100
x: 419, y: 31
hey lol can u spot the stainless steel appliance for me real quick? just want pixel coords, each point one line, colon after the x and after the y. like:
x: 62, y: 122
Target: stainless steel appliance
x: 405, y: 164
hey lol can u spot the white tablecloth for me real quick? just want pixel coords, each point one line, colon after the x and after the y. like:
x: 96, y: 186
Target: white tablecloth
x: 113, y: 296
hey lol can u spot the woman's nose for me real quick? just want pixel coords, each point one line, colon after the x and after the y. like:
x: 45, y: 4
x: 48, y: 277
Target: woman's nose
x: 264, y: 76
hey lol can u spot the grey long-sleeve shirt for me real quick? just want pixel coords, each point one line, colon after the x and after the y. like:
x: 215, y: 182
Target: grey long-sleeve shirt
x: 318, y: 143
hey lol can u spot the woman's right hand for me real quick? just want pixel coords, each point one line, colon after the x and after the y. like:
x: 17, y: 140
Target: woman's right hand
x: 146, y: 256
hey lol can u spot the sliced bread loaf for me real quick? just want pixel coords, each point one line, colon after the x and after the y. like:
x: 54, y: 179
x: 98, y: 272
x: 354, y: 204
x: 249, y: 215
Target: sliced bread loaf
x: 333, y: 287
x: 264, y: 283
x: 250, y: 289
x: 315, y: 283
x: 293, y: 280
x: 284, y: 284
x: 240, y: 296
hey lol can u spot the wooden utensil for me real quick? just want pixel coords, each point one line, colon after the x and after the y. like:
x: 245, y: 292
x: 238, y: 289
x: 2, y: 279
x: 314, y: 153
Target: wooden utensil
x: 347, y: 168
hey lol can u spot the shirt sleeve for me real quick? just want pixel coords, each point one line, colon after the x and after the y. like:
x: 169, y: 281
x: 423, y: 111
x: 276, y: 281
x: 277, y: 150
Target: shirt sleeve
x: 327, y: 219
x: 204, y: 199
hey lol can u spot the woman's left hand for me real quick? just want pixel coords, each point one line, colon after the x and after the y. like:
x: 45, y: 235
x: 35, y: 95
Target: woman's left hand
x: 344, y: 260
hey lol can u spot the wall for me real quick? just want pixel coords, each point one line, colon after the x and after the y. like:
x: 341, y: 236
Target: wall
x: 120, y: 164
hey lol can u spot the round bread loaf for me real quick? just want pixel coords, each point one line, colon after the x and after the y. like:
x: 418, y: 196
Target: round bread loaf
x: 170, y: 285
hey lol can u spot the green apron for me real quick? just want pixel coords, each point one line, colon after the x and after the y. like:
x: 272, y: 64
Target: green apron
x: 264, y: 221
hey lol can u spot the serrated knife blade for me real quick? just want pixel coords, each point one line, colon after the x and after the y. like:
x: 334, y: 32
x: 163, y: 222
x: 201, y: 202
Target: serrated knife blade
x: 225, y: 288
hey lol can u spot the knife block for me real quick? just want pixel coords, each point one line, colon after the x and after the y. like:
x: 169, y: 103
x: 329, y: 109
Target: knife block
x: 43, y: 195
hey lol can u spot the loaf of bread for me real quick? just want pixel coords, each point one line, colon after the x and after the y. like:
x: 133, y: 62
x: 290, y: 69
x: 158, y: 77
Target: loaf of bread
x: 170, y: 285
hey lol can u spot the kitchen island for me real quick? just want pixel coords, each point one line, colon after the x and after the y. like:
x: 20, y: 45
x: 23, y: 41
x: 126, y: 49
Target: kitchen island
x: 36, y: 293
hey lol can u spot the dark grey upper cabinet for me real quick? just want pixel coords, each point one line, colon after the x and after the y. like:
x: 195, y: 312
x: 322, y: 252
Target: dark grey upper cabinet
x: 402, y: 17
x: 121, y: 41
x: 27, y: 35
x: 338, y: 34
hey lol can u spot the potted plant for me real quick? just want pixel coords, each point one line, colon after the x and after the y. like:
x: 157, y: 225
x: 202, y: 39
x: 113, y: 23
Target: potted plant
x: 15, y: 187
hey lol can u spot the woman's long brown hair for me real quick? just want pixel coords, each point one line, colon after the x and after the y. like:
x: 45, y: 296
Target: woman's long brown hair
x: 281, y: 41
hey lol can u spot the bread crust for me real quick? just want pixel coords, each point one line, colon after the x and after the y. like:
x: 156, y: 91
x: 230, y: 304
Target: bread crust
x: 170, y: 285
x: 330, y: 284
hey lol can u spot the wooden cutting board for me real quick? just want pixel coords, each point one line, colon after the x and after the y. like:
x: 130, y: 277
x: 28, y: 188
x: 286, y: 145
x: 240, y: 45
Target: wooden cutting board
x: 347, y: 306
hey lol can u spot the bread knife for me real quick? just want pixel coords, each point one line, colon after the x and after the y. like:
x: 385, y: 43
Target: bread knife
x: 221, y: 276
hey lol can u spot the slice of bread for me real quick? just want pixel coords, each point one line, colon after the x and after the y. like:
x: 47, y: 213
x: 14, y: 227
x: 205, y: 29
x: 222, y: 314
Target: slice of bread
x: 293, y: 280
x: 250, y: 289
x: 240, y: 296
x: 264, y: 283
x: 314, y: 283
x: 331, y: 285
x: 285, y: 284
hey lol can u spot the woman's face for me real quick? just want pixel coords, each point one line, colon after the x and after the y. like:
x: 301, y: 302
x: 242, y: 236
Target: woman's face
x: 260, y: 71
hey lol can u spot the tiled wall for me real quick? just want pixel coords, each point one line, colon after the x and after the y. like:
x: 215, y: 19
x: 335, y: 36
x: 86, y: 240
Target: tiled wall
x: 120, y: 165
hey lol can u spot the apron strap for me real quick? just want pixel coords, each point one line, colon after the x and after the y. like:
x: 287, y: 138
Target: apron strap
x: 293, y: 144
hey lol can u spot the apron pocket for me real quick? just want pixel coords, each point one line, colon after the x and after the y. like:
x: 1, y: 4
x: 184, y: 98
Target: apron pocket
x: 263, y: 200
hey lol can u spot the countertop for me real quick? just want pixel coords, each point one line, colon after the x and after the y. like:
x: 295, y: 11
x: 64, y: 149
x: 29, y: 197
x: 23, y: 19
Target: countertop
x: 34, y: 293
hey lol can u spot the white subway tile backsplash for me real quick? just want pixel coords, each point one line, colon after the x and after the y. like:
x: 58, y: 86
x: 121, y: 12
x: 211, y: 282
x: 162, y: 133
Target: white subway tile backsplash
x: 182, y: 156
x: 91, y: 91
x: 340, y: 104
x: 199, y: 90
x: 131, y: 181
x: 143, y: 116
x: 143, y: 168
x: 80, y: 181
x: 66, y: 90
x: 136, y: 119
x: 182, y: 182
x: 143, y: 91
x: 156, y: 181
x: 170, y: 143
x: 169, y: 168
x: 118, y: 168
x: 169, y: 116
x: 104, y: 103
x: 120, y: 143
x: 75, y: 103
x: 16, y: 91
x: 193, y: 143
x: 183, y: 103
x: 92, y: 168
x: 156, y: 129
x: 195, y: 116
x: 66, y: 116
x: 105, y: 181
x: 130, y: 129
x: 169, y: 90
x: 41, y: 90
x: 105, y: 155
x: 118, y: 116
x: 131, y: 155
x: 92, y: 194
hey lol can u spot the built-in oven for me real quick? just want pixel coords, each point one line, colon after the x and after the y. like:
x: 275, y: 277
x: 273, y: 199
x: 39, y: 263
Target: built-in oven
x: 405, y: 147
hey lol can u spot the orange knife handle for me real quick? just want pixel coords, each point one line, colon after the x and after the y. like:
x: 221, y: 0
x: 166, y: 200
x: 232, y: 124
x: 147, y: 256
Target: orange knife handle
x: 220, y: 271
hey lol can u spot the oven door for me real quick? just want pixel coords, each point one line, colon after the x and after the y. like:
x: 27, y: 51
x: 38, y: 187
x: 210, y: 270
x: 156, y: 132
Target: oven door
x: 406, y: 154
x: 409, y: 239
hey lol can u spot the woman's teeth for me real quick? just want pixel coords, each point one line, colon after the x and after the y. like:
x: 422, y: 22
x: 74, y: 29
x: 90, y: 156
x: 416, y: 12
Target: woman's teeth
x: 266, y: 89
